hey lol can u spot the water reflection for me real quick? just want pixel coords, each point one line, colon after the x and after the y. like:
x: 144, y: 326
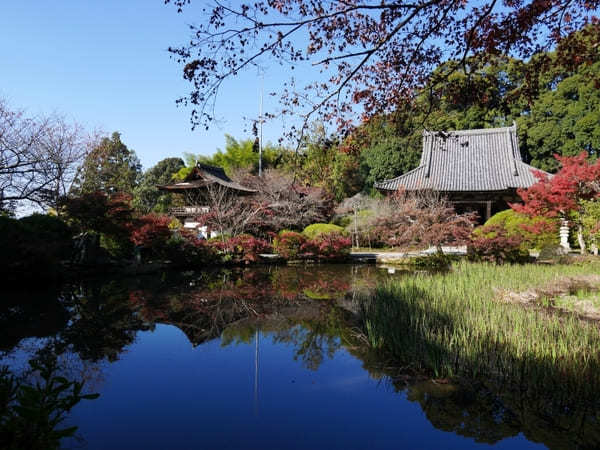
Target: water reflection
x: 312, y: 311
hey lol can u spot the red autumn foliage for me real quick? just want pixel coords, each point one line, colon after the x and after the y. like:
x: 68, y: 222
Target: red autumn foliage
x: 376, y: 53
x: 240, y: 249
x: 288, y: 244
x: 152, y: 232
x: 557, y: 196
x: 421, y: 220
x: 539, y: 227
x: 327, y: 247
x: 99, y: 212
x: 493, y: 244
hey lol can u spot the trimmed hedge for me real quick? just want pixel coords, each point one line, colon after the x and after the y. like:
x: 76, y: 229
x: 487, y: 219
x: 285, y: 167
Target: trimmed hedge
x: 535, y: 232
x: 312, y: 231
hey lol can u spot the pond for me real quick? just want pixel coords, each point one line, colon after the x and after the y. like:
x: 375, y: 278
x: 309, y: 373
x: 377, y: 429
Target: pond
x: 267, y: 357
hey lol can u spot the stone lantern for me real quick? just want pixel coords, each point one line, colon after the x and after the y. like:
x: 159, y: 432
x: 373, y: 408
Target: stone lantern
x: 564, y: 234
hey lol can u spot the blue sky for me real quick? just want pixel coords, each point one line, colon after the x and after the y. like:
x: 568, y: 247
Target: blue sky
x: 105, y: 64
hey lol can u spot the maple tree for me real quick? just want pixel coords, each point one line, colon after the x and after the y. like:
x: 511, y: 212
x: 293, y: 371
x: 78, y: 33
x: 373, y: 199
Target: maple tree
x: 152, y: 232
x: 420, y: 219
x: 373, y: 53
x: 562, y: 195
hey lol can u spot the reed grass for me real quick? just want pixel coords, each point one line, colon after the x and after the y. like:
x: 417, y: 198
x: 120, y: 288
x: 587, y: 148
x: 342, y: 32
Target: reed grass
x: 451, y: 325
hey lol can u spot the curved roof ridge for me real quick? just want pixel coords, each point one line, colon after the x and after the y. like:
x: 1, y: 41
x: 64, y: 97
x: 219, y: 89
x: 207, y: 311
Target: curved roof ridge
x: 472, y: 132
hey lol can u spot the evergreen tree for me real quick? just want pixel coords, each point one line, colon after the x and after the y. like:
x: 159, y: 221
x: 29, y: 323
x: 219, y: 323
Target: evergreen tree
x: 110, y: 167
x: 565, y: 120
x: 146, y: 196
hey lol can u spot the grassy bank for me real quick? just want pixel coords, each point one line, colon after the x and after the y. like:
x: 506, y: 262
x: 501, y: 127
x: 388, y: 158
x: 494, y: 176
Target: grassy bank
x: 453, y: 325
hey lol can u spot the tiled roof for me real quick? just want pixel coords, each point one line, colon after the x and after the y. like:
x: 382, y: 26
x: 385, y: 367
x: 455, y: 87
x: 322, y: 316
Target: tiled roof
x: 469, y: 160
x: 204, y: 174
x: 217, y: 175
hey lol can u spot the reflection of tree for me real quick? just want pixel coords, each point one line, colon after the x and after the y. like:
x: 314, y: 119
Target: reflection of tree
x: 315, y: 331
x: 102, y: 322
x: 470, y: 413
x: 30, y: 314
x: 490, y: 413
x: 96, y: 321
x: 311, y: 345
x: 203, y: 307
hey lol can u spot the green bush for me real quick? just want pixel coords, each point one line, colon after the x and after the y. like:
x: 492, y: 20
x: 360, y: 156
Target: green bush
x: 535, y: 232
x: 118, y: 247
x: 343, y: 221
x: 52, y: 231
x: 33, y: 245
x: 435, y: 262
x: 312, y: 231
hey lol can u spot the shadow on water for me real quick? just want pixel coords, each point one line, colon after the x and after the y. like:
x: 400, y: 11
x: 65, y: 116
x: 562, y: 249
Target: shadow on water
x: 318, y: 312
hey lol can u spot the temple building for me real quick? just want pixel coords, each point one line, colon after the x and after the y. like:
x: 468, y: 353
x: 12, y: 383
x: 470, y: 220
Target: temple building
x: 195, y: 188
x: 477, y: 170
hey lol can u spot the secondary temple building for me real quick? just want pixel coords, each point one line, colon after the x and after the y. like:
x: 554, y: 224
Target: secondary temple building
x: 195, y: 188
x: 477, y: 170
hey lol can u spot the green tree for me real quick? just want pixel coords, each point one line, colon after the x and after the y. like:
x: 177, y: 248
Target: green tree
x: 390, y: 145
x: 238, y: 155
x: 146, y: 196
x: 110, y: 167
x: 322, y: 163
x: 565, y: 119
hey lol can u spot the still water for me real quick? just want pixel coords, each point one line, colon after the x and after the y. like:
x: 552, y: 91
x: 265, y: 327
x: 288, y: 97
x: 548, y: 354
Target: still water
x: 254, y: 358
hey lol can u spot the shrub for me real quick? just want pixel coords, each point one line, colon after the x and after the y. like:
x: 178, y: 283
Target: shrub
x: 175, y: 224
x: 117, y: 246
x: 535, y: 232
x: 420, y: 220
x: 240, y: 249
x: 314, y: 230
x: 553, y: 253
x: 433, y: 262
x: 29, y: 248
x: 327, y: 247
x: 53, y: 232
x: 493, y: 244
x: 590, y: 222
x: 184, y: 249
x: 288, y: 244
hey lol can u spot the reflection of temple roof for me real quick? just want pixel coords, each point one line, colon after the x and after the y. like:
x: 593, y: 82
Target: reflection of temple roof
x: 203, y: 175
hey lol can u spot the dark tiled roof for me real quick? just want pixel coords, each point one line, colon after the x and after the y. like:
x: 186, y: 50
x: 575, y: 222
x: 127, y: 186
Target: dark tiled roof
x: 470, y: 160
x: 204, y: 174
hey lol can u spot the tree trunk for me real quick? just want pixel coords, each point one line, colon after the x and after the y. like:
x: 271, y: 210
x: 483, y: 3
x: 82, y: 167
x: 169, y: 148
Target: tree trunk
x: 580, y: 239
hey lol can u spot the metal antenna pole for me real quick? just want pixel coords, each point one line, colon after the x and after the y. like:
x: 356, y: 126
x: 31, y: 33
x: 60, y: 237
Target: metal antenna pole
x: 260, y: 122
x: 256, y: 373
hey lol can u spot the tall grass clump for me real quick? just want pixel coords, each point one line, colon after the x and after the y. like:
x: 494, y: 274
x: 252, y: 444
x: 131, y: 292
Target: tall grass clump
x: 450, y: 325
